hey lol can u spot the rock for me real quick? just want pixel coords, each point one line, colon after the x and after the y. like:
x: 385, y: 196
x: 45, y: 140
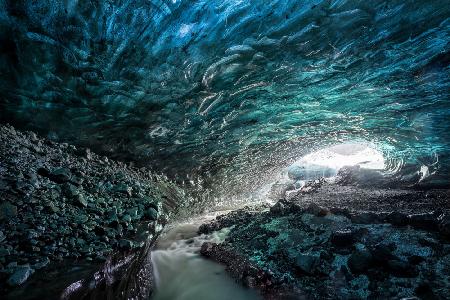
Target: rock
x: 81, y: 219
x: 111, y: 216
x: 123, y: 188
x: 316, y: 210
x: 20, y: 275
x: 151, y: 203
x: 365, y: 218
x: 86, y: 249
x: 342, y: 238
x: 60, y: 175
x: 54, y: 194
x: 444, y: 225
x: 80, y: 201
x: 7, y: 210
x: 278, y: 208
x: 278, y: 190
x: 55, y: 205
x: 424, y: 291
x: 45, y: 261
x: 307, y: 262
x: 88, y: 153
x: 415, y: 259
x: 99, y: 230
x: 125, y: 244
x: 126, y: 218
x: 4, y: 252
x: 360, y: 260
x: 341, y: 212
x: 397, y: 218
x: 52, y: 208
x: 151, y: 214
x: 427, y: 221
x: 382, y: 253
x: 347, y: 175
x: 43, y: 172
x: 77, y: 181
x: 33, y: 136
x: 134, y: 213
x: 400, y: 268
x: 70, y: 191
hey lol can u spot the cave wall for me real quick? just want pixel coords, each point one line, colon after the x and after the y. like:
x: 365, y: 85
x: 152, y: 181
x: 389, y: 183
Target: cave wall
x: 192, y: 86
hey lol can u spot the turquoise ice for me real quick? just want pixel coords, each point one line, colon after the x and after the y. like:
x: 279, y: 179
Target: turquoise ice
x: 232, y: 91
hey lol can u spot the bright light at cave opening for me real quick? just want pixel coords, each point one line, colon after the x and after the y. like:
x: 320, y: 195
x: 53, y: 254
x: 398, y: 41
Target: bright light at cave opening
x: 328, y: 161
x: 348, y: 154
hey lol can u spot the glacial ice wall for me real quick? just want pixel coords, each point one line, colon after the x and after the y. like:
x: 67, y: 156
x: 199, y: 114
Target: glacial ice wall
x: 231, y: 87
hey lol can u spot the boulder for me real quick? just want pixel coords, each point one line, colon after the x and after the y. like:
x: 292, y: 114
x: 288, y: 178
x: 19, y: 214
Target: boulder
x: 278, y: 208
x: 123, y: 189
x: 307, y: 263
x: 397, y: 218
x: 20, y: 275
x: 51, y: 207
x: 427, y: 221
x: 125, y: 244
x: 111, y: 216
x: 382, y: 253
x: 70, y: 190
x: 7, y: 210
x: 45, y: 261
x: 316, y: 210
x: 360, y: 261
x: 134, y: 213
x: 80, y: 201
x: 365, y: 218
x: 151, y: 214
x: 444, y: 225
x: 60, y: 175
x: 99, y: 230
x: 342, y: 238
x: 401, y: 268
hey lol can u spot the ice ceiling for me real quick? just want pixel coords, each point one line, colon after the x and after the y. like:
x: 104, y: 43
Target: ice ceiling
x: 232, y: 90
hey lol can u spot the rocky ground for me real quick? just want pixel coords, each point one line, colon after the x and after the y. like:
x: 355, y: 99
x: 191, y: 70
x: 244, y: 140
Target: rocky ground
x: 63, y: 205
x: 87, y: 223
x: 331, y: 241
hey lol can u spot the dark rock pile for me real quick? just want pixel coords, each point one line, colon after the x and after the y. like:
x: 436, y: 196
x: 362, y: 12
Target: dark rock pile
x: 58, y: 202
x: 301, y: 250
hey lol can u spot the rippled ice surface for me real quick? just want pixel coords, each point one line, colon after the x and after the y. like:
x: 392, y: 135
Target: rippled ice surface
x: 228, y: 93
x: 182, y: 274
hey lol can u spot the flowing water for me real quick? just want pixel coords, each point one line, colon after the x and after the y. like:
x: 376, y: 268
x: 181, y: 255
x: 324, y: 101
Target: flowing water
x: 181, y: 273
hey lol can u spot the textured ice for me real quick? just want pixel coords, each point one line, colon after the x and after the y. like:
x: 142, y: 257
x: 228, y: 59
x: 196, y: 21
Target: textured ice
x: 193, y: 86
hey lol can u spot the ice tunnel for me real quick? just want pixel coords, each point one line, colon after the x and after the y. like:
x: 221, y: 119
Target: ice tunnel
x: 118, y: 111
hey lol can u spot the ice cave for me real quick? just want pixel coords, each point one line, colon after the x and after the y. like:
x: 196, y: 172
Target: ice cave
x: 224, y: 150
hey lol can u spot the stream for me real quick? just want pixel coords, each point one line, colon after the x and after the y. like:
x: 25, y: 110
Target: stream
x: 181, y: 273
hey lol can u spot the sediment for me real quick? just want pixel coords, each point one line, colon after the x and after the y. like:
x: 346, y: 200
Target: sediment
x: 63, y: 207
x: 341, y: 242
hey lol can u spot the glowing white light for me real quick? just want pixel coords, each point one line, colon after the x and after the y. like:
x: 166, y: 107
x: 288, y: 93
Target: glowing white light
x: 349, y: 154
x: 327, y: 162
